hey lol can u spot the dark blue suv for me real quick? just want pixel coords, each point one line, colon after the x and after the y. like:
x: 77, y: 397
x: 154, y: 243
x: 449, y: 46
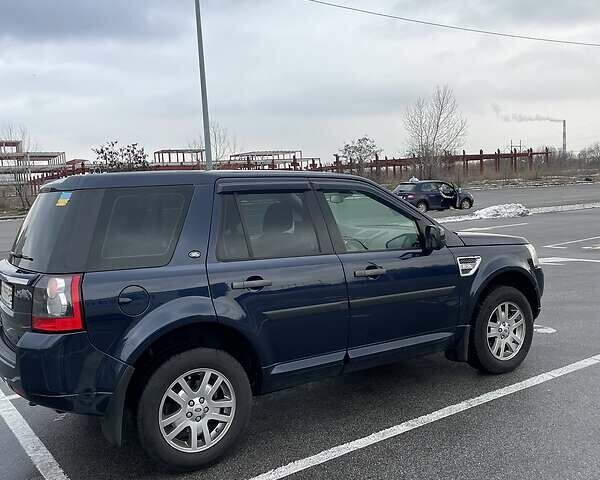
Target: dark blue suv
x: 172, y: 297
x: 434, y: 195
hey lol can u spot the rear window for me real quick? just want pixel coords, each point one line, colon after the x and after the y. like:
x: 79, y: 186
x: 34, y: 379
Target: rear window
x: 101, y: 229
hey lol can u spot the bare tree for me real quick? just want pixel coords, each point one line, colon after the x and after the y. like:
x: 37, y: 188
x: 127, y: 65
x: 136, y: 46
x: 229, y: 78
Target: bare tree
x: 434, y: 127
x: 223, y: 144
x: 360, y: 150
x: 590, y: 155
x: 18, y: 132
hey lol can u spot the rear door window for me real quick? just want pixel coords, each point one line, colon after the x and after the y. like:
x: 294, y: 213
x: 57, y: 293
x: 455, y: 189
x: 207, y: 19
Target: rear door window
x: 266, y: 225
x: 102, y: 229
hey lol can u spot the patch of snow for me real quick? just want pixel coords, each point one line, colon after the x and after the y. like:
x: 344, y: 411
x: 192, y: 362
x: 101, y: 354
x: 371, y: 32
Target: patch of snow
x: 508, y: 210
x: 516, y: 210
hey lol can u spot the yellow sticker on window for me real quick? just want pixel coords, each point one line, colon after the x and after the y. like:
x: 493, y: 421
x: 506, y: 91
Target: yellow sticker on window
x: 63, y: 200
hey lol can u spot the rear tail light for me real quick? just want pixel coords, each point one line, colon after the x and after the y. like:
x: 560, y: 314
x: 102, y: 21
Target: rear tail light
x: 410, y: 196
x: 57, y: 304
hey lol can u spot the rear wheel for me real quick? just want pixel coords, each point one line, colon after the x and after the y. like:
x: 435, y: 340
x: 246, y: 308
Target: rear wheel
x: 422, y: 206
x: 502, y: 332
x: 193, y: 408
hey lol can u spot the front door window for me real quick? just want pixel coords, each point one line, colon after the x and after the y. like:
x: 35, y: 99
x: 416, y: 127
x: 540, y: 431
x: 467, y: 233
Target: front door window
x: 366, y: 224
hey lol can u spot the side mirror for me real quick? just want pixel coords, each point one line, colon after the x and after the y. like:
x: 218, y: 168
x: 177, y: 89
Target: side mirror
x: 435, y: 237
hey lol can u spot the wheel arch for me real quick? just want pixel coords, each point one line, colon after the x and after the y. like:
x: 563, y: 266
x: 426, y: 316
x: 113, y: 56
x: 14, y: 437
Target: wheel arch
x: 193, y: 335
x: 510, y: 277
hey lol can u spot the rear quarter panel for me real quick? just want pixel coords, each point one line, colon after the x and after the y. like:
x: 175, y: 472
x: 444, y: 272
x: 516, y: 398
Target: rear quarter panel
x: 178, y: 293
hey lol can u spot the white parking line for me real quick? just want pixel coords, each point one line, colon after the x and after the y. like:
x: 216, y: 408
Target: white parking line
x: 340, y: 450
x: 33, y: 446
x: 479, y: 229
x: 10, y: 398
x: 561, y: 245
x: 542, y: 329
x: 562, y: 260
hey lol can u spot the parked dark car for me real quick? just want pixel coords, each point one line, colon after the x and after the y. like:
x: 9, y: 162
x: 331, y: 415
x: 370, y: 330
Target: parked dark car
x: 434, y: 195
x: 173, y: 297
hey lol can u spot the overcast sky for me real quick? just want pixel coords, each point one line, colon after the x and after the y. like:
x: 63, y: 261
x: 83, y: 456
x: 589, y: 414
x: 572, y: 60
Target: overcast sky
x: 289, y: 74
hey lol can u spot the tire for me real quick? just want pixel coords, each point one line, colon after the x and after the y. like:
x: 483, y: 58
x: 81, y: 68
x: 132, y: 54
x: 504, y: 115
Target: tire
x: 465, y: 204
x: 192, y: 366
x: 487, y: 355
x: 422, y: 206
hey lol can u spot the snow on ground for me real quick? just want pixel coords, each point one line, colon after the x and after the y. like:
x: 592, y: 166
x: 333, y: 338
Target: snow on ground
x: 511, y: 210
x: 508, y: 210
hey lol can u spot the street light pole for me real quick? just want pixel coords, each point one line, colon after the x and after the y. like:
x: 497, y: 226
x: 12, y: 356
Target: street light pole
x: 207, y: 146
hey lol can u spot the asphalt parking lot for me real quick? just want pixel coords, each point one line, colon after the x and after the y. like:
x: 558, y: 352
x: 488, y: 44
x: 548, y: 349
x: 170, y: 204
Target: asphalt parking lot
x: 548, y: 429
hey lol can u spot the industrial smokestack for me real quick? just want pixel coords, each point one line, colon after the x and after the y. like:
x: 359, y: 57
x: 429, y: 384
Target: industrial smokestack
x: 564, y: 137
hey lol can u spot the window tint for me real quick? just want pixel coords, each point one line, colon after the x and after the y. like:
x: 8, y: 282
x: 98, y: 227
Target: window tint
x: 429, y: 187
x: 102, y: 229
x: 405, y: 187
x: 231, y: 244
x: 367, y: 224
x: 143, y: 225
x: 275, y: 225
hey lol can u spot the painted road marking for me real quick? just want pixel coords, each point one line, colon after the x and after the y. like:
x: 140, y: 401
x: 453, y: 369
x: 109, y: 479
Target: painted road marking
x: 10, y: 398
x: 33, y: 446
x: 561, y: 245
x: 382, y: 435
x: 562, y: 260
x: 541, y: 329
x: 494, y: 227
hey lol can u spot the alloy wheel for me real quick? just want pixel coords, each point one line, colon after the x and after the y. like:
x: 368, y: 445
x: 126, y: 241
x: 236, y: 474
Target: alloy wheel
x: 506, y: 331
x: 197, y: 410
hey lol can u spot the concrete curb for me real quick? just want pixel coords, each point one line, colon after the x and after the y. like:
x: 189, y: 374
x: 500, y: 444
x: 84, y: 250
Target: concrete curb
x: 13, y: 217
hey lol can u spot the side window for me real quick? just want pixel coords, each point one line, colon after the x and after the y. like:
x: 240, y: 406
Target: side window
x: 138, y: 227
x: 367, y: 224
x: 429, y: 187
x: 231, y: 244
x: 266, y: 225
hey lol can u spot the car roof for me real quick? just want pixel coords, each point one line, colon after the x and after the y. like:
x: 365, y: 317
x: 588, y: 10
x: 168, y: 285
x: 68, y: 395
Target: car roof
x: 177, y: 177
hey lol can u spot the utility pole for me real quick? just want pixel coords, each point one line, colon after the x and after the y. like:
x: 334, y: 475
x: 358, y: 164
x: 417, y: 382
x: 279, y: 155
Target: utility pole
x: 207, y: 146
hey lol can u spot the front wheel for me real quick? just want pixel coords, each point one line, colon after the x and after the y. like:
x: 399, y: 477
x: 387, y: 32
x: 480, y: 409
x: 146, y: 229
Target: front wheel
x: 503, y: 331
x: 193, y: 409
x: 466, y: 204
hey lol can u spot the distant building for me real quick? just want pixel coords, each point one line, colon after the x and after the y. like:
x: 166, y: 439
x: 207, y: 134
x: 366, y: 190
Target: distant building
x: 17, y: 170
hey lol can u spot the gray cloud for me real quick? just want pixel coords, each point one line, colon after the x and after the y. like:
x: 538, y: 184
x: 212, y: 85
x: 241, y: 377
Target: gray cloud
x: 34, y: 20
x: 285, y: 73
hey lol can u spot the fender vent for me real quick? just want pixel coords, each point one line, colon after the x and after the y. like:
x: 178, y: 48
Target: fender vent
x: 468, y: 265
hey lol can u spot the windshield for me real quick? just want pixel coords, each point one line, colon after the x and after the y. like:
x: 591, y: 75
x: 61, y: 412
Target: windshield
x: 406, y: 187
x: 101, y: 229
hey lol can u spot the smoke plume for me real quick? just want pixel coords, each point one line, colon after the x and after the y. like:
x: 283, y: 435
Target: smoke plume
x: 520, y: 117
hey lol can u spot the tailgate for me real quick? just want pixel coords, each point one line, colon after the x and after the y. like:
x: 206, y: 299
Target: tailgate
x: 16, y: 299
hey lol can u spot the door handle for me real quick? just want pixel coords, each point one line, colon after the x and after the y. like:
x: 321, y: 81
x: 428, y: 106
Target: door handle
x: 251, y: 284
x: 370, y: 272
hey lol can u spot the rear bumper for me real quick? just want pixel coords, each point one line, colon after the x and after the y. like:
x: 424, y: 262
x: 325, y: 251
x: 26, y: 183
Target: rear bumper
x: 62, y: 372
